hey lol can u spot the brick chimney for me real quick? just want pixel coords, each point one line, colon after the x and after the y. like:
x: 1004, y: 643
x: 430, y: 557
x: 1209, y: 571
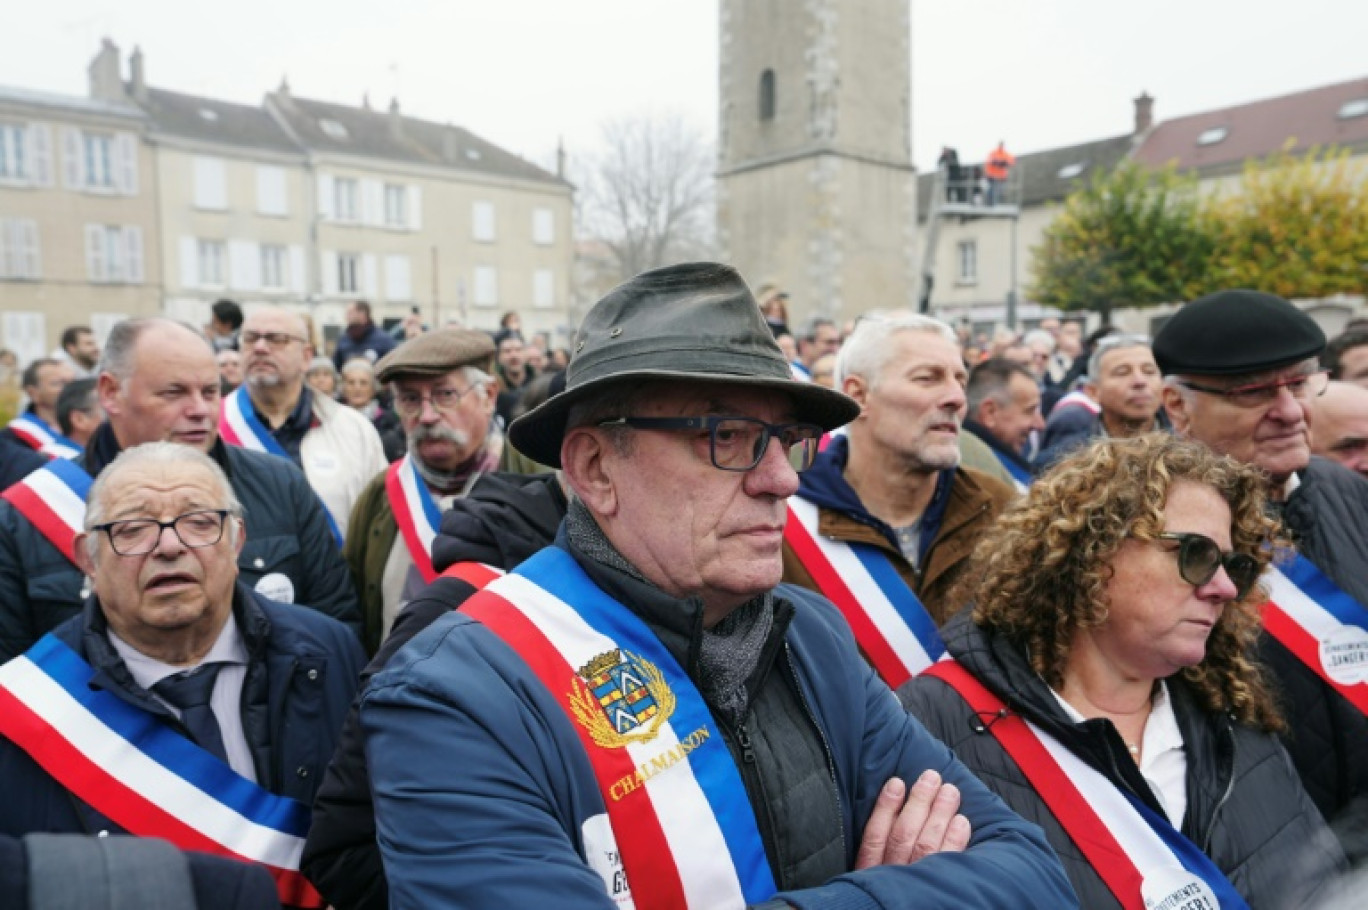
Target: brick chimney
x: 106, y: 84
x: 137, y: 80
x: 1144, y: 113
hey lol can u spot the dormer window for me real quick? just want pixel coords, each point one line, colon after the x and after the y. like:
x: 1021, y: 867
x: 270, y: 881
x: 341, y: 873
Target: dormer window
x: 1213, y: 135
x: 207, y: 114
x: 1070, y: 171
x: 333, y: 128
x: 1358, y: 107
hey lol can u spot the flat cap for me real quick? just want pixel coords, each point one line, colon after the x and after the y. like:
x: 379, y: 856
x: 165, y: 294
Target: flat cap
x: 437, y: 352
x: 1235, y: 332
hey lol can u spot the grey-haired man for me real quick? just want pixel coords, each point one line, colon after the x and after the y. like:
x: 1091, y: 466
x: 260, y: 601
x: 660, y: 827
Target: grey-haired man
x: 640, y: 712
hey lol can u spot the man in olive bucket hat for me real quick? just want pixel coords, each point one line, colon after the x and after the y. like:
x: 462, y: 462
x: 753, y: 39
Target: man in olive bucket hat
x: 640, y: 714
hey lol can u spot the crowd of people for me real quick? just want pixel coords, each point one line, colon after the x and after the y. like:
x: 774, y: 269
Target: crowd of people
x: 445, y: 618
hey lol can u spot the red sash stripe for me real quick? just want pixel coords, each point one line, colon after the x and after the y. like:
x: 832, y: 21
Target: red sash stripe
x: 1306, y: 648
x: 475, y: 574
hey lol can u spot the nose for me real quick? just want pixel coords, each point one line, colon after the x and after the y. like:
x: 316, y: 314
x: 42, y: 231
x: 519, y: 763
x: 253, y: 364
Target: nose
x: 773, y: 476
x: 168, y: 542
x: 427, y: 411
x: 1220, y: 589
x: 1037, y: 421
x: 1287, y: 407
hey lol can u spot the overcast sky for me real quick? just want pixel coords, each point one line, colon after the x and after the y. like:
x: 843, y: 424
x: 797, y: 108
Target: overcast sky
x: 522, y: 73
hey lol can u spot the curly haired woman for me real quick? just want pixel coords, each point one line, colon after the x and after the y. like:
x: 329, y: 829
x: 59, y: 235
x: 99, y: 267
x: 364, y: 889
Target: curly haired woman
x: 1103, y: 683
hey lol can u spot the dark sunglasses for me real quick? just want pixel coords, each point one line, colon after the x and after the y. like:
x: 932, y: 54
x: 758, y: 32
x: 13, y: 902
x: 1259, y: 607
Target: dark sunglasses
x: 1199, y: 557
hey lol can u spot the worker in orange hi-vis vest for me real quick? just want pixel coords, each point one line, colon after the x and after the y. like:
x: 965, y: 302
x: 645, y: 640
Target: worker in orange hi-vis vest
x: 999, y: 163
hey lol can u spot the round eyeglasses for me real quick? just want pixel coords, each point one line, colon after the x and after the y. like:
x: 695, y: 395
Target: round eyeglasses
x: 738, y: 443
x: 140, y: 536
x: 1302, y: 387
x: 444, y: 401
x: 1199, y: 557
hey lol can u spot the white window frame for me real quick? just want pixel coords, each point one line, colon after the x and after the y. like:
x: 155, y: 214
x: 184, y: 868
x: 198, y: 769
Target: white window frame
x: 543, y: 226
x: 966, y: 253
x: 211, y: 258
x: 275, y: 267
x: 97, y: 161
x: 396, y: 206
x: 20, y: 252
x: 483, y: 222
x: 349, y: 273
x: 114, y: 254
x: 398, y: 279
x: 544, y: 289
x: 347, y: 200
x: 210, y: 184
x: 14, y: 164
x: 272, y: 191
x: 486, y: 286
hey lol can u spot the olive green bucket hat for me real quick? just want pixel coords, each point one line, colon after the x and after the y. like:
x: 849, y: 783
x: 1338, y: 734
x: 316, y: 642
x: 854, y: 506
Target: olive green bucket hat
x: 692, y: 323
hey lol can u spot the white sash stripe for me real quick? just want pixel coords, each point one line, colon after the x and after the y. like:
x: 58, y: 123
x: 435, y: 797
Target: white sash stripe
x: 233, y: 416
x: 413, y: 495
x: 59, y: 497
x: 881, y: 612
x: 1318, y: 622
x: 690, y: 828
x: 141, y: 774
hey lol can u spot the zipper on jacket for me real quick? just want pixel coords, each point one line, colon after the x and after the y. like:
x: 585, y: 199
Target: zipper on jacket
x: 1230, y: 785
x: 826, y: 749
x: 750, y: 780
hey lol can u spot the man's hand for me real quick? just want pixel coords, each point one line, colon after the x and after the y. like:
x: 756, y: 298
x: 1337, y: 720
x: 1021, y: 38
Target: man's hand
x: 906, y: 826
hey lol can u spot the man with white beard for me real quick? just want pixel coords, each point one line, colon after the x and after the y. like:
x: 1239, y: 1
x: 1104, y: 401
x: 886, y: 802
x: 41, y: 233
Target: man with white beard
x: 886, y: 516
x: 444, y: 396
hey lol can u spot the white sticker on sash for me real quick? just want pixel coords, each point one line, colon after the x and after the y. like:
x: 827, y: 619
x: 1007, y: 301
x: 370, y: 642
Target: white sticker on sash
x: 1175, y: 888
x: 601, y: 852
x: 276, y: 586
x: 1344, y: 655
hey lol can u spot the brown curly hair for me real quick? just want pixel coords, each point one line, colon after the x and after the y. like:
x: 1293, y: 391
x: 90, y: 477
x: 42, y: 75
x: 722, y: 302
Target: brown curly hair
x: 1040, y: 574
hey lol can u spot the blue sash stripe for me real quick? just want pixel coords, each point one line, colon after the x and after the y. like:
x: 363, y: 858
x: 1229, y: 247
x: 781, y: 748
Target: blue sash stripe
x: 712, y: 765
x: 71, y: 474
x: 1189, y: 855
x: 167, y: 748
x: 434, y: 514
x: 56, y: 435
x: 1316, y: 585
x: 1020, y: 474
x: 909, y: 608
x: 259, y: 430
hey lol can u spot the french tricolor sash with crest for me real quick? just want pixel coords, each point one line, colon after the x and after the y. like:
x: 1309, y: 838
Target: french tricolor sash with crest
x: 142, y: 775
x: 890, y: 624
x: 38, y: 434
x: 679, y: 831
x: 1324, y: 627
x: 415, y: 512
x: 240, y: 426
x: 1141, y: 857
x: 53, y: 499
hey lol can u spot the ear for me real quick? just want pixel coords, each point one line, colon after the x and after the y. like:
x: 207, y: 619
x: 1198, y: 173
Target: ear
x: 987, y: 413
x: 107, y: 389
x: 857, y: 388
x: 490, y: 391
x: 587, y: 459
x: 1176, y: 406
x: 81, y: 552
x: 241, y: 536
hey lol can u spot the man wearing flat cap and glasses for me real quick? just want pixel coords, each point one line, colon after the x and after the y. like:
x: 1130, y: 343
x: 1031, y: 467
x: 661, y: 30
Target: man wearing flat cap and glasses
x: 640, y: 714
x: 1240, y: 371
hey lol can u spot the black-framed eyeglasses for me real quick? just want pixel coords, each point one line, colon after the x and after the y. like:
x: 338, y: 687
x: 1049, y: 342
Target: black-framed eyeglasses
x: 272, y: 339
x: 1199, y: 557
x: 140, y: 536
x: 738, y: 443
x: 444, y: 401
x: 1303, y: 386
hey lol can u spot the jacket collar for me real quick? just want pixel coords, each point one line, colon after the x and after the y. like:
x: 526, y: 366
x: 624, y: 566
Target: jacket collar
x: 999, y: 448
x: 104, y: 447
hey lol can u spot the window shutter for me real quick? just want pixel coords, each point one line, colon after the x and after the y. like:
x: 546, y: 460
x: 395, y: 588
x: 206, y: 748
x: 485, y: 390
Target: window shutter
x: 544, y: 288
x: 543, y: 227
x: 297, y: 279
x: 125, y: 164
x: 367, y: 276
x: 271, y: 191
x: 372, y: 202
x: 189, y: 262
x: 73, y: 171
x: 244, y: 265
x: 8, y: 264
x: 211, y: 190
x: 95, y: 252
x: 133, y: 255
x: 328, y: 263
x: 398, y: 279
x: 325, y: 197
x: 39, y: 138
x: 415, y: 207
x: 35, y: 249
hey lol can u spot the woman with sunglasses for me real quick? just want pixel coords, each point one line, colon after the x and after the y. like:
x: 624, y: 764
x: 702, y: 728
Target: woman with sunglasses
x: 1103, y: 682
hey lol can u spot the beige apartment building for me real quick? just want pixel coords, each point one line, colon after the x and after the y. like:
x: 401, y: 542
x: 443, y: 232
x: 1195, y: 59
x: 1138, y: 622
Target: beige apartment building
x: 78, y: 221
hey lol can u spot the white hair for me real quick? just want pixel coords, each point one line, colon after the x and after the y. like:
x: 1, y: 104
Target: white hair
x: 868, y: 349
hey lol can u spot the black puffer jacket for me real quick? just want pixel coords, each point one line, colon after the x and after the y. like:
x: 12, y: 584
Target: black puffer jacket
x: 287, y: 534
x: 1245, y: 807
x: 1328, y: 518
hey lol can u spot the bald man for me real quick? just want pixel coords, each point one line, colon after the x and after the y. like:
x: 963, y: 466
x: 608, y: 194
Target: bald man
x: 1339, y: 425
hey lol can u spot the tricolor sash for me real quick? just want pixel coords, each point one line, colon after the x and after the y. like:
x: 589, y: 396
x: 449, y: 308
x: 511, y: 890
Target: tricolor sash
x: 1078, y: 398
x: 1324, y: 627
x: 1141, y: 857
x: 475, y: 574
x: 36, y: 432
x: 134, y: 769
x: 1020, y: 476
x: 680, y: 831
x: 53, y: 499
x: 415, y: 511
x: 890, y: 624
x: 240, y: 426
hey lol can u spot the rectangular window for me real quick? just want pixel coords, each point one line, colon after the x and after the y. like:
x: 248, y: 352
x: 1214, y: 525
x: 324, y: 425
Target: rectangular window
x: 482, y: 222
x: 486, y: 286
x: 348, y: 273
x: 211, y: 259
x: 396, y: 206
x: 543, y: 227
x: 12, y: 159
x: 114, y: 254
x: 968, y: 262
x: 211, y: 184
x: 544, y: 288
x: 274, y: 268
x: 19, y: 255
x: 271, y: 198
x: 99, y: 160
x: 398, y: 278
x: 344, y: 200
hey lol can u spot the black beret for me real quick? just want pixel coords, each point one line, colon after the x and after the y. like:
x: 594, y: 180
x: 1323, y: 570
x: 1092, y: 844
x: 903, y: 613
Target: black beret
x: 1234, y: 332
x: 437, y: 353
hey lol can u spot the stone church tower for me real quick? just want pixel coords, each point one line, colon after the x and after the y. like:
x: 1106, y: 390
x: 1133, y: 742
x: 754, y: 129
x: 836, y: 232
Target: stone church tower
x: 815, y: 182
